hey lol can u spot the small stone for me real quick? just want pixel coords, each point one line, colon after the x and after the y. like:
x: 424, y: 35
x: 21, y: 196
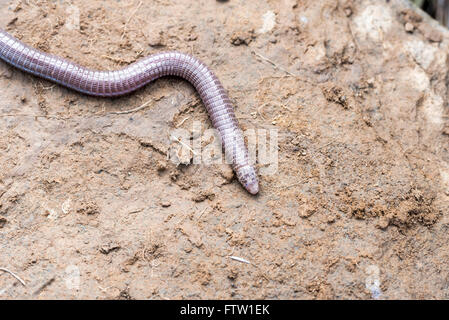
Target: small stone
x: 174, y: 175
x: 409, y: 27
x: 2, y: 222
x: 331, y: 219
x: 383, y: 223
x: 12, y: 21
x: 233, y: 273
x: 161, y: 166
x: 430, y: 33
x: 348, y: 12
x: 156, y: 40
x: 165, y: 204
x: 306, y: 211
x: 106, y: 249
x: 94, y: 223
x: 188, y: 247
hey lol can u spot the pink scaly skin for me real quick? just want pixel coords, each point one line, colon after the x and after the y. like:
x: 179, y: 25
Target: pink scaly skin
x: 135, y: 76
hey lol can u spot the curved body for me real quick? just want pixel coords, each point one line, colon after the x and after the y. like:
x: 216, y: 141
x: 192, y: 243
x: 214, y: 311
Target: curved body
x: 133, y: 77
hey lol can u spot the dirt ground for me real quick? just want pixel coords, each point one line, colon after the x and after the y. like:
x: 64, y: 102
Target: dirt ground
x: 90, y: 207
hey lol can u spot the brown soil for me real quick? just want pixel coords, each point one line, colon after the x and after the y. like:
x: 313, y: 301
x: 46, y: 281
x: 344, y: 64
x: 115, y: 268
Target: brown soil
x: 357, y: 209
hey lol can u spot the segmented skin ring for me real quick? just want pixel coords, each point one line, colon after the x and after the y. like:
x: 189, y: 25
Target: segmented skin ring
x: 136, y: 75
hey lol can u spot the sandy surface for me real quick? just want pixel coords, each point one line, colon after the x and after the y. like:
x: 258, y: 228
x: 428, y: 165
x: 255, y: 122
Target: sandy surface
x: 90, y: 207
